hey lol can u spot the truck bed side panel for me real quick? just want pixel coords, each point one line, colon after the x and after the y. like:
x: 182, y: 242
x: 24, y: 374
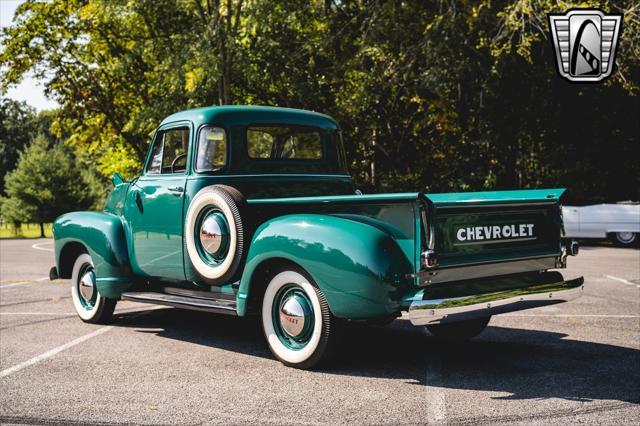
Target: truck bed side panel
x: 360, y: 268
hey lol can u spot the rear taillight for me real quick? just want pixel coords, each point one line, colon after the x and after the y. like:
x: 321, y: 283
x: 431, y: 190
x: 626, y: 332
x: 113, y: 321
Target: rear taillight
x: 429, y: 259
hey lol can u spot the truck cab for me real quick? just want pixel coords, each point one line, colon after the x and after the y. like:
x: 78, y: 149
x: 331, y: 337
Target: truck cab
x: 251, y: 211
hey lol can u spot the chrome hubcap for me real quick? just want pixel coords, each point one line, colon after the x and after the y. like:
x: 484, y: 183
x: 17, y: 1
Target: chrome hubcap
x: 214, y: 235
x: 87, y: 285
x: 625, y: 237
x: 292, y: 316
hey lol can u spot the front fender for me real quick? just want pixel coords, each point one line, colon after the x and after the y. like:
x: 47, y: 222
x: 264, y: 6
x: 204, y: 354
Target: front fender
x: 102, y: 234
x: 359, y: 267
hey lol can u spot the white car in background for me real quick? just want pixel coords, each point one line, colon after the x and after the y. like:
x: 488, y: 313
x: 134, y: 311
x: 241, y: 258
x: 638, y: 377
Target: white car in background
x: 618, y: 222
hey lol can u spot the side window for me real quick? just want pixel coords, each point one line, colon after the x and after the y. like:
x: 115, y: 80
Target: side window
x: 169, y: 154
x: 174, y: 153
x: 212, y: 149
x: 155, y: 162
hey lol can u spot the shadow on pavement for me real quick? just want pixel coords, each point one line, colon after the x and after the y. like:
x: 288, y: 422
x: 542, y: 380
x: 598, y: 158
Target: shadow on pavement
x: 527, y: 364
x: 591, y: 244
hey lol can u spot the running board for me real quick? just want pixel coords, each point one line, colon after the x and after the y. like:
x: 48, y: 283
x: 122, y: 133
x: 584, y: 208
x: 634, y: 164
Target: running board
x: 220, y: 306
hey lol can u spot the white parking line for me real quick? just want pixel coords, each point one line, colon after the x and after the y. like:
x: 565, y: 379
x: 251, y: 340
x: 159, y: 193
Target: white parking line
x: 622, y: 280
x: 437, y: 407
x: 24, y: 283
x: 37, y: 246
x: 120, y: 311
x: 436, y: 404
x: 66, y: 346
x: 62, y: 314
x: 53, y: 352
x: 15, y: 284
x: 570, y: 316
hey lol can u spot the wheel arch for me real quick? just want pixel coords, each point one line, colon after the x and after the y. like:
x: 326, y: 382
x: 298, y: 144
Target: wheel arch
x: 359, y: 268
x: 260, y: 277
x: 101, y: 235
x: 68, y: 255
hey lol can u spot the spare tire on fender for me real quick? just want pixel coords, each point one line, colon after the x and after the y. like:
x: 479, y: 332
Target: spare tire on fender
x: 216, y: 233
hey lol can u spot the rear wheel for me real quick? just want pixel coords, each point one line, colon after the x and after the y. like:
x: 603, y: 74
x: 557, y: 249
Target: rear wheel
x: 90, y: 305
x: 625, y: 239
x: 459, y: 331
x: 296, y: 319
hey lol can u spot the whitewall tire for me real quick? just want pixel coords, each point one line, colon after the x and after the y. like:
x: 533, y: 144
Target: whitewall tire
x: 90, y: 305
x: 296, y: 320
x: 215, y: 233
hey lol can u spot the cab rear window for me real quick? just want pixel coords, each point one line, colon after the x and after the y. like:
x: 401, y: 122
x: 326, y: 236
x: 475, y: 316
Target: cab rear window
x: 284, y: 143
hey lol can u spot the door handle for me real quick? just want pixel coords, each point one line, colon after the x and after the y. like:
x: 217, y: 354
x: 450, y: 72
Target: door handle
x: 177, y: 190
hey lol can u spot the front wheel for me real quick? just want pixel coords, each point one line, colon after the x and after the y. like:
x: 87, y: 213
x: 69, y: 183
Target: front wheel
x: 296, y: 320
x: 459, y: 331
x: 90, y: 305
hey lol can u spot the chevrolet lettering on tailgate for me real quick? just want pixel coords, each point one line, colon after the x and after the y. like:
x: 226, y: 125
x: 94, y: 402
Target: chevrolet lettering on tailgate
x: 496, y: 233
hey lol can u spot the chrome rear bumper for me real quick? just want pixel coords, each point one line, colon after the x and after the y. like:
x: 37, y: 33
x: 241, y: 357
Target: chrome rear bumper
x: 435, y: 311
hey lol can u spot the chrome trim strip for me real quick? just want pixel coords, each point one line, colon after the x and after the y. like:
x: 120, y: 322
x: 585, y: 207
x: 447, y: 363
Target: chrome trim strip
x: 457, y: 273
x: 515, y: 259
x: 213, y: 294
x: 193, y: 303
x: 478, y: 204
x: 320, y: 175
x: 427, y: 312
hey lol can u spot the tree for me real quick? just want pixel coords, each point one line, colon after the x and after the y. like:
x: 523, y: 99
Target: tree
x: 16, y: 127
x: 46, y: 183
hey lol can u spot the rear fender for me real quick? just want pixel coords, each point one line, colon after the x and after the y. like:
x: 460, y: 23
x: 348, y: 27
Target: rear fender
x: 103, y: 236
x: 359, y: 267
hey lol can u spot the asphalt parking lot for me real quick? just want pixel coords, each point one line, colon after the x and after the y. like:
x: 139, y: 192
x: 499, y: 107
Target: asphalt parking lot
x: 574, y: 362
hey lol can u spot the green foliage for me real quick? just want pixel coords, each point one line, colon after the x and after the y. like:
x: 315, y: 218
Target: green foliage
x: 25, y: 230
x: 19, y: 124
x: 16, y: 127
x: 46, y: 183
x: 433, y: 95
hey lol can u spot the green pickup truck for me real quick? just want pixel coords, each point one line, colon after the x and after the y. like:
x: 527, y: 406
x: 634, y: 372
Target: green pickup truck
x: 250, y: 210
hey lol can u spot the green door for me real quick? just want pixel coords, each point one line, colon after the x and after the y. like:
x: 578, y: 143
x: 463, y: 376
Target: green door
x: 155, y: 205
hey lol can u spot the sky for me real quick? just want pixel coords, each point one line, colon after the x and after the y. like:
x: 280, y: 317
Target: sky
x: 30, y: 90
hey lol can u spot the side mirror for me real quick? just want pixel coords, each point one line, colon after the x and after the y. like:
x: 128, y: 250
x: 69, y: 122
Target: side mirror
x: 116, y: 179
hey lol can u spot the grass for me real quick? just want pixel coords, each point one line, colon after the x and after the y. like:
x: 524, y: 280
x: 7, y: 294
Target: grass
x: 27, y: 230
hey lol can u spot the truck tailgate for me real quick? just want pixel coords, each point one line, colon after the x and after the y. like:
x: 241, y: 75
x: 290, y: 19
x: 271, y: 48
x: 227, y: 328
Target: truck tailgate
x: 487, y: 227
